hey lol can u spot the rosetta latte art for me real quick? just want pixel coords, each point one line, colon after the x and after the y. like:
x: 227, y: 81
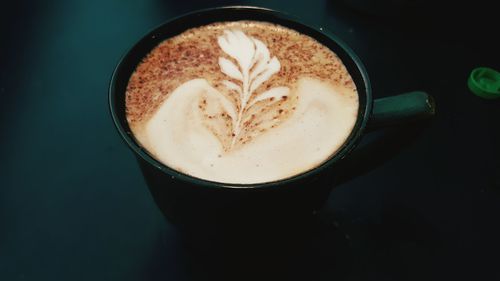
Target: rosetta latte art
x: 255, y: 66
x: 243, y: 111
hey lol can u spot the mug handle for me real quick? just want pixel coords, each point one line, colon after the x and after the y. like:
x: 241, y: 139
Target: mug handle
x: 400, y: 109
x: 402, y: 118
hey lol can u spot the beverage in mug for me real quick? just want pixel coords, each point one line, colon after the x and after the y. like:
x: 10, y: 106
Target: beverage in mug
x: 241, y: 102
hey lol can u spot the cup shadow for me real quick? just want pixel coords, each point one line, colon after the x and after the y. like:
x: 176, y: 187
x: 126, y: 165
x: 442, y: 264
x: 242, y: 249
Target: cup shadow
x: 291, y: 251
x: 379, y: 147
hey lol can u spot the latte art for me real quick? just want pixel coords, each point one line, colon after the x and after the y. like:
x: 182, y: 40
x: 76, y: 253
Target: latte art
x: 254, y: 68
x: 241, y: 102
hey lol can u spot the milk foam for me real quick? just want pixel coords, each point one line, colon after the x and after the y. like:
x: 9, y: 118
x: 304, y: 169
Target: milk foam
x: 320, y: 124
x: 241, y: 102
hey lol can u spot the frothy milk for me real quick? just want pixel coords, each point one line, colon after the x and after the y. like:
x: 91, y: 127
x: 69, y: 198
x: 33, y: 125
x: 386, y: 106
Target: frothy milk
x: 241, y: 102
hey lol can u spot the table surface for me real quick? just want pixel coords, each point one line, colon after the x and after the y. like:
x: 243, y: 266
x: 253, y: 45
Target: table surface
x: 74, y: 206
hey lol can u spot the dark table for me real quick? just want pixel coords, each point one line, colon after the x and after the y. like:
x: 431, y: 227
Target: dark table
x: 74, y: 206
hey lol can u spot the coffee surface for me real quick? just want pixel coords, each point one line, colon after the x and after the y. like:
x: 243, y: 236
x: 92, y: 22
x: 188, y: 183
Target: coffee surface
x: 241, y: 102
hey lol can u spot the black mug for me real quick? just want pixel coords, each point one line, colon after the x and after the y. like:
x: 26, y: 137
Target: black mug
x: 196, y: 205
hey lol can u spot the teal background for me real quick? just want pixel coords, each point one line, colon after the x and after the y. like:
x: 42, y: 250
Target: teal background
x: 74, y: 206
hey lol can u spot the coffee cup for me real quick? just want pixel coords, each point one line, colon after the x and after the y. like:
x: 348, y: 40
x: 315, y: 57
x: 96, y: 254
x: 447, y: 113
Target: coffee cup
x: 193, y: 203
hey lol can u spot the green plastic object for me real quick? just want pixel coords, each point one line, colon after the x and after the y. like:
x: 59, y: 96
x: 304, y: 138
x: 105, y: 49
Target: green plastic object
x: 485, y: 82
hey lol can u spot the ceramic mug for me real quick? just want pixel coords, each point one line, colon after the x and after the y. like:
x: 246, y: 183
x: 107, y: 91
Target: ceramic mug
x: 193, y: 203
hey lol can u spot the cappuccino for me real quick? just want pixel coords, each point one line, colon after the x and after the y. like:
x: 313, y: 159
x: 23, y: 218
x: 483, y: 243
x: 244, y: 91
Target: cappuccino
x: 241, y: 102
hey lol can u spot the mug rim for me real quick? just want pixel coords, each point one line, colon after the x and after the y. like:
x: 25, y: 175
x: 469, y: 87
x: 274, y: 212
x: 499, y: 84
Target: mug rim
x: 350, y: 143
